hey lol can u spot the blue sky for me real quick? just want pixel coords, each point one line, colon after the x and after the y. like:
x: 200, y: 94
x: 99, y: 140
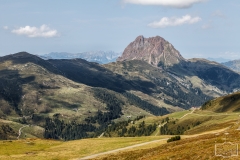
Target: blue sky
x: 197, y: 28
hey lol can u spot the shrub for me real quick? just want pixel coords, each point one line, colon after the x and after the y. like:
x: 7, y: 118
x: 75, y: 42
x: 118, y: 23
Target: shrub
x: 175, y: 138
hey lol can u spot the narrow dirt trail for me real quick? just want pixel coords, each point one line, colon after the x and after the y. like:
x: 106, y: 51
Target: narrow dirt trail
x: 20, y: 131
x: 187, y: 114
x: 101, y: 135
x: 160, y: 127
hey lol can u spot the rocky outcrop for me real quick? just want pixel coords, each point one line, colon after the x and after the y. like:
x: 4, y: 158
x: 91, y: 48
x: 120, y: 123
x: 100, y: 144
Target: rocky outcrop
x: 154, y: 50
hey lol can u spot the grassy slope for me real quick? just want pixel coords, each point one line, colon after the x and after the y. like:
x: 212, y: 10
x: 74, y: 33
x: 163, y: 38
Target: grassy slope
x: 198, y: 146
x: 208, y: 120
x: 47, y: 94
x: 195, y: 122
x: 27, y: 132
x: 199, y: 141
x: 48, y: 149
x: 194, y: 76
x: 57, y: 94
x: 141, y: 70
x: 229, y: 103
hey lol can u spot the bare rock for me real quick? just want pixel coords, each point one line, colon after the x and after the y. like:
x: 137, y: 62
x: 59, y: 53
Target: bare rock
x: 154, y: 50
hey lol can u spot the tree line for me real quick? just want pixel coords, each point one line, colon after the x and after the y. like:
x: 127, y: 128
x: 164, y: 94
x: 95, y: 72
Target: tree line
x: 130, y: 129
x: 57, y: 129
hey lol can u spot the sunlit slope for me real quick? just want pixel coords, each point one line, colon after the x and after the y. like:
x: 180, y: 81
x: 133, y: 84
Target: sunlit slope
x: 201, y: 135
x: 188, y: 122
x: 33, y: 89
x: 198, y: 147
x: 167, y: 88
x: 13, y: 130
x: 217, y: 128
x: 229, y: 103
x: 39, y: 149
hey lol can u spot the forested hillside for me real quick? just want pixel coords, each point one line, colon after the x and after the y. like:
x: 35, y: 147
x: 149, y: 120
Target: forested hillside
x: 69, y: 96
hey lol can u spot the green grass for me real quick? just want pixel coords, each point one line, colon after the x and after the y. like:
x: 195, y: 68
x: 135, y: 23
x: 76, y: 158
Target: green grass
x: 178, y: 115
x: 200, y: 147
x: 208, y: 121
x: 228, y: 103
x: 27, y: 132
x: 158, y: 119
x: 49, y: 149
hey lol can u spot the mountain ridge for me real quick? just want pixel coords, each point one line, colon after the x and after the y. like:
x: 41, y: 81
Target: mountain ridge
x: 89, y: 96
x: 161, y: 54
x: 234, y: 65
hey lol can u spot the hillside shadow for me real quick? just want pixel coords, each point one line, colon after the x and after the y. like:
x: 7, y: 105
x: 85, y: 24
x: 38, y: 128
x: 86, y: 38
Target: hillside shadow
x: 229, y: 102
x: 82, y: 71
x: 216, y: 75
x: 92, y: 74
x: 24, y: 57
x: 11, y: 86
x: 60, y: 103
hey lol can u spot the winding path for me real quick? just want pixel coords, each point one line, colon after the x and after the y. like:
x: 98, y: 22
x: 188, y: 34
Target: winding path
x: 20, y: 131
x: 187, y: 114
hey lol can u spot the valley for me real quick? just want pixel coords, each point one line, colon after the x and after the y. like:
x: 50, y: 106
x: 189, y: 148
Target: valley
x: 119, y: 80
x: 204, y: 137
x: 134, y: 105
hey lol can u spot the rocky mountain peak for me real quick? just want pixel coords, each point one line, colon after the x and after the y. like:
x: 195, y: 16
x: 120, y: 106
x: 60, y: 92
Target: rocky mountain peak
x: 154, y: 50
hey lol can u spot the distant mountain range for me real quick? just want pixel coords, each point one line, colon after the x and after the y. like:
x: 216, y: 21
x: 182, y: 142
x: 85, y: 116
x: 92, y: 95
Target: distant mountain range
x: 234, y: 65
x: 101, y: 57
x: 158, y: 52
x: 219, y: 60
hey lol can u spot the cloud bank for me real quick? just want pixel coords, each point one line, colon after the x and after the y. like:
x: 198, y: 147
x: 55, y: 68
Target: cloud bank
x: 42, y: 31
x: 167, y: 3
x: 174, y: 21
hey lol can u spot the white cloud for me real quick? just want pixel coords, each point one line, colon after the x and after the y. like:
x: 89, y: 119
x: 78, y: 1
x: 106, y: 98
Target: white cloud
x: 168, y: 3
x: 174, y: 21
x: 42, y: 31
x: 5, y: 27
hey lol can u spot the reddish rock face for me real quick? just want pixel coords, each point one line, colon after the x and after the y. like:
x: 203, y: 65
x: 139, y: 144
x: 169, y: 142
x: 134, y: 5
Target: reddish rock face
x: 154, y: 50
